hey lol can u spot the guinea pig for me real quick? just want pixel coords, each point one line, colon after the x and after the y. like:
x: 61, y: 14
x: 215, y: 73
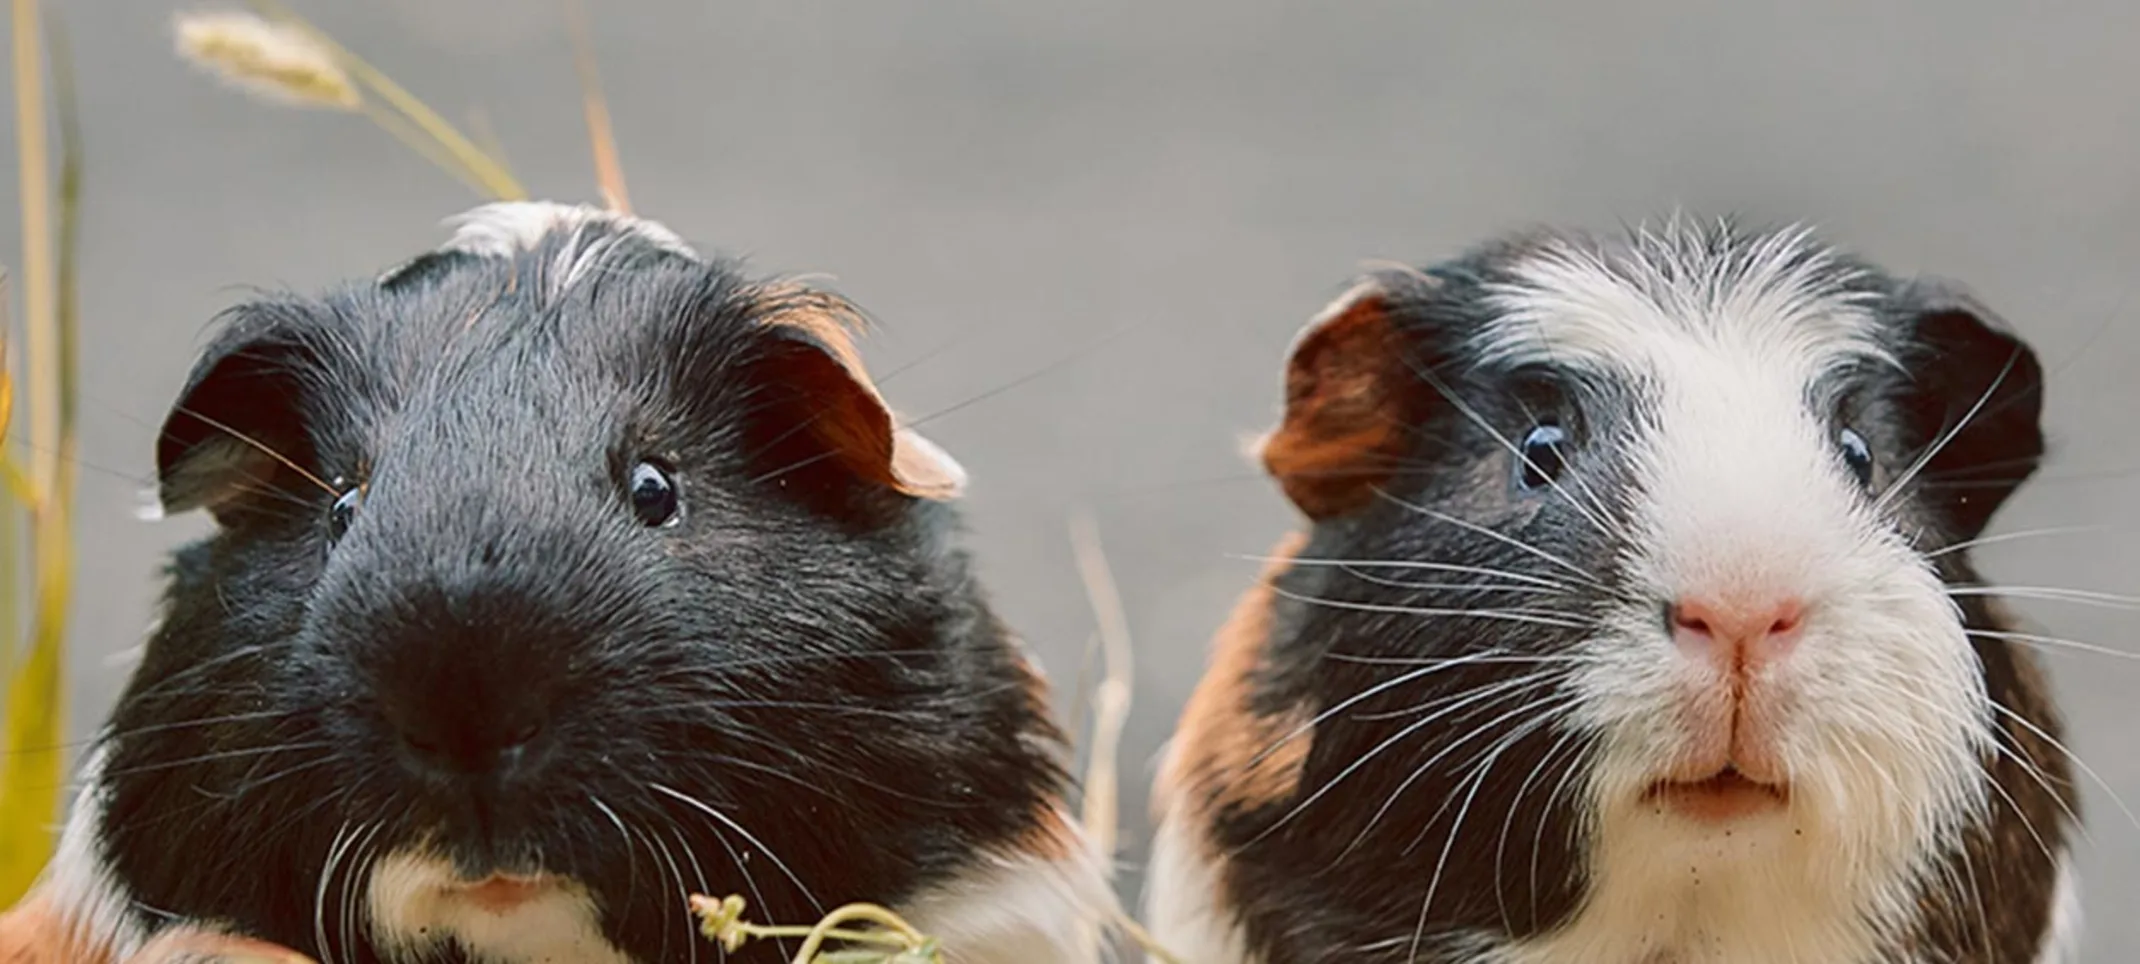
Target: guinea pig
x: 556, y: 575
x: 1633, y: 621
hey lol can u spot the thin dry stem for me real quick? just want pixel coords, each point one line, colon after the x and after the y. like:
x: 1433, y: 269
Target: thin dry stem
x: 1110, y: 703
x: 1111, y: 697
x: 35, y: 192
x: 609, y: 173
x: 496, y: 180
x: 486, y: 135
x: 413, y: 138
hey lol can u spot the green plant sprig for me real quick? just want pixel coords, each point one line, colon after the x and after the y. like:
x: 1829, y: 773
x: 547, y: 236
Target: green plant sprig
x: 891, y: 941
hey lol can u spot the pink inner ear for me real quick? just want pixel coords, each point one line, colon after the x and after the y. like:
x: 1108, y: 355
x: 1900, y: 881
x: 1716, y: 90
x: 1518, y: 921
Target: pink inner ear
x: 923, y: 469
x: 1347, y: 402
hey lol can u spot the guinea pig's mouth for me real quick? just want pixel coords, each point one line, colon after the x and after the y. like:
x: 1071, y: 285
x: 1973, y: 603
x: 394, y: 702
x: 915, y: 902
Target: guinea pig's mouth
x: 499, y: 893
x: 1724, y: 795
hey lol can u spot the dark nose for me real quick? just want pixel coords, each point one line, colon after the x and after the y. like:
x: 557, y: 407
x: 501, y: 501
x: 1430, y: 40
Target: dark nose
x: 471, y: 735
x: 469, y: 730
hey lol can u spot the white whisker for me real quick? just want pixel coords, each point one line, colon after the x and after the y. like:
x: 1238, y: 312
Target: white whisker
x: 1536, y: 681
x: 1472, y: 696
x: 2008, y: 537
x: 1940, y: 444
x: 2031, y: 639
x: 342, y: 838
x: 1542, y: 617
x: 2077, y: 762
x: 746, y: 835
x: 1512, y: 542
x: 1479, y: 587
x: 1415, y: 564
x: 2051, y: 594
x: 1368, y: 693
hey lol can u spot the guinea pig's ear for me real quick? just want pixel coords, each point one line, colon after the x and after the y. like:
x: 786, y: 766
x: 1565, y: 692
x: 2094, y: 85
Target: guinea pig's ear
x: 1351, y: 398
x: 828, y: 412
x: 1978, y: 395
x: 236, y: 426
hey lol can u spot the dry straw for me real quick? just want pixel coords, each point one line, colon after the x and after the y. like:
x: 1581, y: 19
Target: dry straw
x: 280, y: 57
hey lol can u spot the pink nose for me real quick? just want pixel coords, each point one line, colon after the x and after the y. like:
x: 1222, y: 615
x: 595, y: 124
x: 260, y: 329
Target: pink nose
x: 1737, y: 632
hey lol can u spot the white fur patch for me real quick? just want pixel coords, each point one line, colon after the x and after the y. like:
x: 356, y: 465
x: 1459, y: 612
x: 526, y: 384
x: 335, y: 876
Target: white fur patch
x: 1183, y: 909
x: 2062, y: 941
x: 1607, y: 308
x: 95, y: 909
x: 1019, y: 910
x: 415, y: 908
x: 1878, y: 715
x: 505, y: 229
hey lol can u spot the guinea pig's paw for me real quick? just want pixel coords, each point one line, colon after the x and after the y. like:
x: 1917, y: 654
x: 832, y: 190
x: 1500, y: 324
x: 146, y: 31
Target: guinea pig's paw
x: 203, y: 945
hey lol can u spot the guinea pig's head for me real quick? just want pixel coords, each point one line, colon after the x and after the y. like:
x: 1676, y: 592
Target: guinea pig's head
x: 1630, y: 588
x: 556, y: 574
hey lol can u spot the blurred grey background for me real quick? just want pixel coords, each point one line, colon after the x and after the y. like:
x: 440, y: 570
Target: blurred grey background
x: 1142, y: 201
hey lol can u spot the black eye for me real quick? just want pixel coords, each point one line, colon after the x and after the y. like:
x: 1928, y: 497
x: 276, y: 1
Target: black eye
x: 653, y: 494
x: 1542, y: 463
x: 343, y: 513
x: 1856, y: 454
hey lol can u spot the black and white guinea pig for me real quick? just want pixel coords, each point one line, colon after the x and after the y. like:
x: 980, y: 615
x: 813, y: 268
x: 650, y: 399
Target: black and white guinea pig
x: 1634, y: 623
x: 558, y: 573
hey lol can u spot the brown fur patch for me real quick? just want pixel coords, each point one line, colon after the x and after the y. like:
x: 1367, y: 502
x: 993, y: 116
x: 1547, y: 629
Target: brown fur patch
x: 1226, y: 756
x: 1348, y: 396
x: 1052, y: 837
x: 855, y: 421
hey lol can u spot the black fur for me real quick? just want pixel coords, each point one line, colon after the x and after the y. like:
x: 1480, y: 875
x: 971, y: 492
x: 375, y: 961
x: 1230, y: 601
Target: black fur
x: 805, y: 651
x: 1397, y: 796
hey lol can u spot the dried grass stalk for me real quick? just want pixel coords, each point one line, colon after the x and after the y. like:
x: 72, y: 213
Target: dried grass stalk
x: 1110, y: 709
x: 278, y: 56
x: 609, y: 173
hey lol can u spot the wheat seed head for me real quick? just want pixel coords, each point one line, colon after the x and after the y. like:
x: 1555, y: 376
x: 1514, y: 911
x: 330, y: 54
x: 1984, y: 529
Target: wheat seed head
x: 274, y: 61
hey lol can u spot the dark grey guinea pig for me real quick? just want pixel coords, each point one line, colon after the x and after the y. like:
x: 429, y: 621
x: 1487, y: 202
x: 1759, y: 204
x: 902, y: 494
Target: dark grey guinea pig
x: 557, y: 573
x: 1634, y: 623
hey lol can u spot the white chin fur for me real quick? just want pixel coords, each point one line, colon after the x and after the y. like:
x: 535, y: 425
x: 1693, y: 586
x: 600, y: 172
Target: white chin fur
x: 415, y: 909
x: 1881, y: 714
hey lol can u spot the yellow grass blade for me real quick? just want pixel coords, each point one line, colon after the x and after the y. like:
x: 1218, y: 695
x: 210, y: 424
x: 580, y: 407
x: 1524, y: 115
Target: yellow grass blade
x: 486, y: 136
x: 410, y: 137
x: 31, y: 753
